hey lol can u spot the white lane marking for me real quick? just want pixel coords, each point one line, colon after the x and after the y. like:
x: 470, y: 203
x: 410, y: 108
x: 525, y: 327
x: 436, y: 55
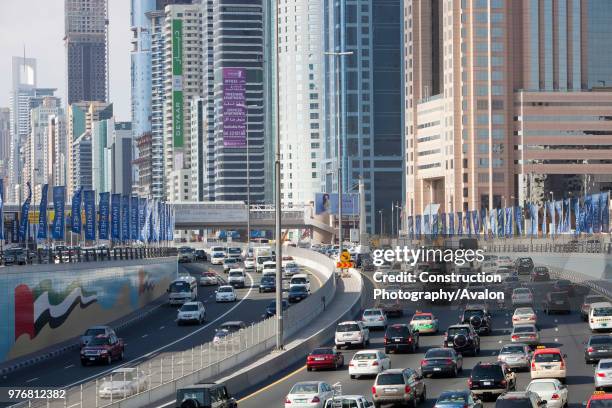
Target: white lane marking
x: 74, y: 405
x: 145, y: 335
x: 556, y: 340
x: 162, y: 327
x: 31, y: 379
x: 68, y: 366
x: 556, y: 329
x: 500, y: 342
x: 150, y: 353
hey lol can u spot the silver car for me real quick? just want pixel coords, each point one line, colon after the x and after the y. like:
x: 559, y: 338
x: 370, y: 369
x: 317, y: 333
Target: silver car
x: 515, y: 355
x: 603, y: 374
x: 525, y: 333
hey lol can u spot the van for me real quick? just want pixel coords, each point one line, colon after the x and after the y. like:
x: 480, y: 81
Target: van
x: 269, y: 268
x: 234, y: 252
x: 181, y: 290
x: 600, y: 316
x: 300, y: 279
x: 260, y: 260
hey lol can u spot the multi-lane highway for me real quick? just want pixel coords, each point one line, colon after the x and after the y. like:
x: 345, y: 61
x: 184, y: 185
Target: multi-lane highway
x: 156, y: 333
x: 565, y: 331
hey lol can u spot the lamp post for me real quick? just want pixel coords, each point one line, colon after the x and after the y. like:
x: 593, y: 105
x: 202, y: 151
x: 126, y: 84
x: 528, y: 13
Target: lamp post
x: 399, y: 218
x: 337, y: 55
x: 248, y: 163
x: 381, y: 222
x: 277, y: 194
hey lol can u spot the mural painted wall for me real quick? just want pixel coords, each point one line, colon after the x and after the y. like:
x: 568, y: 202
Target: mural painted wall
x: 52, y: 304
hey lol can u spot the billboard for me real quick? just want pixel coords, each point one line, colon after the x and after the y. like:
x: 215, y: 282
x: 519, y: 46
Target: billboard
x: 327, y: 203
x: 177, y: 83
x: 234, y: 107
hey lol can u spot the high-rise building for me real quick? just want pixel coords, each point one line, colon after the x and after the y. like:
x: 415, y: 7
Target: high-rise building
x: 157, y: 103
x: 500, y: 101
x: 5, y: 142
x: 198, y: 162
x: 81, y: 162
x: 86, y: 42
x: 57, y: 155
x: 122, y: 158
x: 301, y: 84
x: 363, y: 104
x: 144, y: 163
x: 101, y: 154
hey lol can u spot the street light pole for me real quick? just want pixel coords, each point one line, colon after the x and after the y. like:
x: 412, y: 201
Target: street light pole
x: 248, y: 163
x: 381, y: 222
x: 277, y: 193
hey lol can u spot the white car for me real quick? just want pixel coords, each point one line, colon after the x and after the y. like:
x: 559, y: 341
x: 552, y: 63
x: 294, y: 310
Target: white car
x: 301, y: 279
x: 217, y: 258
x: 309, y: 394
x: 122, y: 383
x: 191, y: 312
x: 249, y: 264
x: 351, y: 333
x: 225, y: 293
x: 525, y: 333
x: 286, y: 260
x: 236, y: 278
x: 550, y: 390
x: 600, y: 316
x: 354, y: 401
x: 209, y: 279
x: 291, y: 269
x: 504, y: 261
x: 522, y: 296
x: 368, y: 362
x: 269, y: 268
x: 524, y: 315
x: 374, y: 318
x: 603, y: 374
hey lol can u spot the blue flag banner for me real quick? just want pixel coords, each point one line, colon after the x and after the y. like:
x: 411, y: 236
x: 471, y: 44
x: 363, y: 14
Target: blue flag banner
x: 104, y: 215
x: 25, y: 212
x: 483, y: 221
x: 533, y: 217
x: 59, y: 219
x: 567, y: 212
x: 518, y: 219
x: 468, y: 223
x: 493, y: 221
x: 434, y: 226
x: 596, y: 213
x: 162, y: 222
x: 89, y: 202
x: 459, y: 223
x: 476, y: 222
x: 444, y: 231
x: 508, y: 221
x: 544, y: 221
x: 500, y: 223
x: 426, y: 224
x: 150, y: 205
x: 116, y: 217
x: 451, y: 224
x: 604, y: 203
x: 1, y: 209
x: 142, y: 202
x: 560, y: 219
x: 134, y: 218
x: 588, y: 214
x: 42, y: 213
x: 75, y: 214
x: 551, y: 211
x: 417, y: 227
x: 125, y: 218
x: 410, y: 223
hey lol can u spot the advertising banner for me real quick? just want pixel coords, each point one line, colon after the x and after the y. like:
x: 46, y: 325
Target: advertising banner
x: 544, y: 221
x: 234, y: 107
x: 25, y: 211
x: 559, y: 216
x: 434, y: 226
x: 327, y: 203
x: 444, y: 231
x: 116, y: 217
x: 567, y: 212
x: 178, y: 132
x: 468, y: 223
x: 42, y: 213
x: 89, y: 202
x: 125, y: 218
x: 104, y: 213
x: 59, y: 203
x: 134, y: 218
x: 142, y: 214
x: 596, y: 213
x: 417, y: 226
x: 410, y: 222
x: 451, y: 224
x: 500, y: 223
x: 459, y: 223
x: 604, y: 203
x: 476, y: 222
x: 75, y: 213
x: 518, y: 219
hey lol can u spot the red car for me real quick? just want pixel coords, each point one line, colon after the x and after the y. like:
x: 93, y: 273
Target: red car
x: 102, y: 349
x: 324, y: 357
x: 599, y: 399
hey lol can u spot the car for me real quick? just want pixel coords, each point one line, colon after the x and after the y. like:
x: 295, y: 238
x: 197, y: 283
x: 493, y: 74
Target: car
x: 588, y: 300
x: 457, y: 399
x: 522, y: 296
x: 550, y: 390
x: 489, y: 380
x: 15, y: 256
x: 510, y: 283
x: 267, y: 284
x: 424, y: 322
x: 515, y: 355
x: 525, y: 333
x: 540, y: 274
x: 297, y: 294
x: 234, y: 252
x: 463, y: 338
x: 291, y: 268
x: 444, y: 361
x: 102, y: 349
x: 564, y: 285
x: 217, y: 258
x: 504, y: 261
x: 523, y: 265
x: 122, y: 383
x: 524, y: 315
x: 249, y: 264
x: 200, y: 255
x: 599, y: 399
x: 391, y: 307
x: 478, y: 317
x: 225, y: 293
x: 209, y: 279
x: 399, y: 386
x: 201, y: 396
x: 401, y: 337
x: 269, y: 268
x: 599, y: 346
x: 261, y: 259
x: 191, y: 312
x: 548, y: 363
x: 324, y: 357
x: 523, y: 399
x: 286, y: 260
x: 353, y: 401
x: 300, y: 279
x: 271, y: 308
x: 226, y: 330
x: 309, y: 394
x: 602, y: 377
x: 374, y: 318
x: 95, y: 331
x: 230, y: 263
x: 505, y: 271
x: 368, y: 362
x: 351, y: 333
x: 236, y: 278
x: 600, y: 316
x: 556, y: 302
x: 186, y: 254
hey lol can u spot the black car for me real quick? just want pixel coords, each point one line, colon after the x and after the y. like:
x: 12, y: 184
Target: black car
x: 523, y: 266
x: 445, y: 361
x: 297, y: 293
x: 599, y: 346
x: 209, y: 395
x: 540, y: 274
x: 564, y: 285
x: 556, y: 302
x: 271, y: 309
x: 267, y: 284
x: 522, y: 399
x: 478, y: 318
x: 401, y: 337
x: 200, y: 255
x: 463, y: 339
x: 490, y: 380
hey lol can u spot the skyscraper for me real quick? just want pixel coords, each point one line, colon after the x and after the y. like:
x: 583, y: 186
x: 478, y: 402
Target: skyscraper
x: 364, y: 89
x: 86, y: 42
x: 5, y: 142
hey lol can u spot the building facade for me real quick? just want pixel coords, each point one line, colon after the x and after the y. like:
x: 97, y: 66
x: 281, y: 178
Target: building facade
x: 82, y: 162
x: 5, y: 143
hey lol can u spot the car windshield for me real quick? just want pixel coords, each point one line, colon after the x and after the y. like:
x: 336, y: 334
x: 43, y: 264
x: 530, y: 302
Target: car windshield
x: 364, y: 356
x: 347, y: 328
x: 189, y: 308
x: 451, y: 398
x: 190, y: 394
x: 99, y: 341
x: 298, y: 289
x: 438, y: 353
x: 512, y: 350
x: 594, y: 299
x: 291, y: 265
x: 225, y: 289
x: 322, y: 351
x: 521, y: 291
x: 123, y: 376
x: 230, y: 327
x: 511, y: 279
x: 94, y: 332
x: 483, y: 371
x: 542, y: 386
x: 524, y: 329
x: 299, y: 281
x: 513, y: 403
x: 371, y: 312
x: 469, y: 313
x: 301, y: 388
x: 230, y: 261
x: 558, y: 296
x: 547, y: 358
x: 267, y: 279
x: 185, y: 250
x: 394, y: 331
x: 602, y: 312
x: 601, y: 340
x: 605, y: 364
x: 390, y: 379
x: 453, y: 331
x: 263, y: 259
x: 421, y: 317
x: 602, y: 403
x: 523, y: 311
x: 234, y: 250
x: 235, y: 274
x: 179, y: 287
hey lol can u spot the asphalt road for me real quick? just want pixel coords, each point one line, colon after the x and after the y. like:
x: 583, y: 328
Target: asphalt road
x: 158, y: 332
x: 565, y: 331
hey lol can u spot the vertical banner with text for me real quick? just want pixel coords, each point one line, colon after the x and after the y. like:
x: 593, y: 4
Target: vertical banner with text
x: 234, y: 107
x: 59, y: 219
x: 89, y: 202
x: 116, y: 217
x: 104, y: 213
x: 42, y: 213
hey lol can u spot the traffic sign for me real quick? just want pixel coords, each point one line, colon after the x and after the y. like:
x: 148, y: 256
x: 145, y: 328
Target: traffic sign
x: 345, y: 256
x: 344, y: 265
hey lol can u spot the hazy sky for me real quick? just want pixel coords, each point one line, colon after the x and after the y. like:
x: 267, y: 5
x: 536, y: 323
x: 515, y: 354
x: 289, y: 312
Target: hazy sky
x: 39, y: 26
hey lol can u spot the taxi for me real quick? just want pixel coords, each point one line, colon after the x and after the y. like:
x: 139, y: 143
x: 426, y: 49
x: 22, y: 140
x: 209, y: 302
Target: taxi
x: 600, y: 399
x: 548, y: 363
x: 424, y: 322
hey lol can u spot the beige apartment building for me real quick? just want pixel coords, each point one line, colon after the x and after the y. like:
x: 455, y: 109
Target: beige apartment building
x: 506, y: 101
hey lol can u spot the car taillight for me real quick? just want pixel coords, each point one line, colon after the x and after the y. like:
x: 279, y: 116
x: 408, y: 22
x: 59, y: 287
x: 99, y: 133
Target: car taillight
x: 423, y: 362
x: 373, y: 390
x: 449, y: 361
x: 381, y: 318
x: 592, y: 320
x: 533, y: 367
x: 409, y: 339
x: 470, y: 382
x: 503, y: 382
x: 590, y: 349
x: 562, y: 364
x: 375, y: 363
x: 315, y: 400
x: 287, y: 401
x: 407, y: 389
x: 515, y: 337
x: 555, y: 396
x: 309, y: 358
x: 386, y: 340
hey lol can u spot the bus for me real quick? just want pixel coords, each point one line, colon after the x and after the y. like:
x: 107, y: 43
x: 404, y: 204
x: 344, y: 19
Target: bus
x: 181, y: 290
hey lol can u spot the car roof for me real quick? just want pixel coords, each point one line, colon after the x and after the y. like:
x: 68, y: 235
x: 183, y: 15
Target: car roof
x: 514, y: 345
x: 393, y: 371
x: 349, y: 322
x: 309, y: 383
x: 545, y: 380
x: 600, y: 304
x: 548, y: 350
x: 516, y: 394
x: 226, y: 286
x: 300, y: 275
x: 459, y: 326
x: 202, y: 385
x: 191, y: 303
x: 423, y: 314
